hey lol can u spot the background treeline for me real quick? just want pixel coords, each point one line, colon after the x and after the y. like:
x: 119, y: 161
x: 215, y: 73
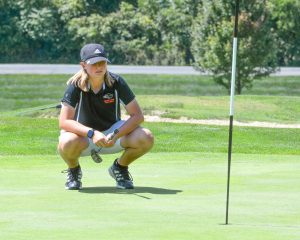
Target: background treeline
x: 163, y: 32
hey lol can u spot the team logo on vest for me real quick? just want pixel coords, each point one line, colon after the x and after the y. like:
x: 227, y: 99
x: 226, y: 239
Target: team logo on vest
x: 108, y: 98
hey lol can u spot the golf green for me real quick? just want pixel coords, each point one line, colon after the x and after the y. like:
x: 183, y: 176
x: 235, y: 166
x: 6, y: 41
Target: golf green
x: 176, y: 196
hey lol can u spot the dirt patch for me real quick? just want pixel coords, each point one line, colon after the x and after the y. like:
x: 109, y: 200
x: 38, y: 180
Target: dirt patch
x: 220, y: 122
x: 155, y: 117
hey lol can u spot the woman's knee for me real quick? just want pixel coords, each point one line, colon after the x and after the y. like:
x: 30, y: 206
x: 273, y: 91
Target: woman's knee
x: 140, y: 138
x: 70, y: 142
x: 146, y: 138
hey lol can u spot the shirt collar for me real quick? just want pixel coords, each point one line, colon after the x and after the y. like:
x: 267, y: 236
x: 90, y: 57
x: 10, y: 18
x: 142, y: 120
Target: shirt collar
x: 89, y: 86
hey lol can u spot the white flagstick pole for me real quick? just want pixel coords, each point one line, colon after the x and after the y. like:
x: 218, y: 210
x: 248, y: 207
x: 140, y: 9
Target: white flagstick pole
x: 233, y: 75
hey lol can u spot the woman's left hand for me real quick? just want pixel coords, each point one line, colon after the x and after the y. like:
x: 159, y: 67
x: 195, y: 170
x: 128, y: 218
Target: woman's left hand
x: 111, y: 140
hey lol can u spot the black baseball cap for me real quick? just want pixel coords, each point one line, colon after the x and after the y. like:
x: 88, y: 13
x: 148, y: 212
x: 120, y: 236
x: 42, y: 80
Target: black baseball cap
x: 92, y: 53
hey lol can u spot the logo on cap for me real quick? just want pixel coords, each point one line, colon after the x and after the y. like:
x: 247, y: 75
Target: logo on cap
x: 97, y: 51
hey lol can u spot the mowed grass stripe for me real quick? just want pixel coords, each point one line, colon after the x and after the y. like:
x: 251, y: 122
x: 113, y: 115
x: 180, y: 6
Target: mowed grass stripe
x: 29, y: 136
x: 51, y: 87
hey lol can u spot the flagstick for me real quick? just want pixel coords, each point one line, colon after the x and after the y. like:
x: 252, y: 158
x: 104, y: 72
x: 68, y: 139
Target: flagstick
x: 233, y: 75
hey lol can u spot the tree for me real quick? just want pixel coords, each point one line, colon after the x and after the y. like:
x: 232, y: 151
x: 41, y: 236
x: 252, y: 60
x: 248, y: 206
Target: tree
x: 9, y: 32
x: 285, y: 15
x: 41, y: 26
x: 127, y: 34
x: 212, y: 42
x: 173, y: 20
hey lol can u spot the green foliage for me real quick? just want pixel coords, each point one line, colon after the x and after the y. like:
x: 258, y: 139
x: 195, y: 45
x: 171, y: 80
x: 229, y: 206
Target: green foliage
x: 285, y: 16
x: 134, y: 32
x: 213, y: 42
x: 126, y: 34
x: 156, y: 32
x: 11, y: 46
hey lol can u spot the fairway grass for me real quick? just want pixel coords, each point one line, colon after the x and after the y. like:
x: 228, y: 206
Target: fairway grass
x: 279, y: 109
x: 273, y: 99
x: 282, y: 109
x: 177, y: 196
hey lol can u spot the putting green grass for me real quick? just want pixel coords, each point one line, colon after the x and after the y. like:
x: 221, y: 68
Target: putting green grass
x: 177, y: 196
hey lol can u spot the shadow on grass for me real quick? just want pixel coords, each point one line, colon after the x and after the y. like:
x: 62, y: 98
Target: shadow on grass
x: 136, y: 191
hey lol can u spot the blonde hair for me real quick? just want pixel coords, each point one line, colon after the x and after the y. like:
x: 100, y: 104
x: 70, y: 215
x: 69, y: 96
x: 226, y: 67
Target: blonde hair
x: 81, y: 80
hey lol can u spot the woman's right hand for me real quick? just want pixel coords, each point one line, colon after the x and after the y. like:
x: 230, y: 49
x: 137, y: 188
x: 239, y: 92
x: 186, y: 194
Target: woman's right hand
x: 100, y: 139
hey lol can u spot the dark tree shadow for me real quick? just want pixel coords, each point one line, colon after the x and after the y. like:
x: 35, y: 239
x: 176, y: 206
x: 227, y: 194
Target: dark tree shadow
x: 136, y: 191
